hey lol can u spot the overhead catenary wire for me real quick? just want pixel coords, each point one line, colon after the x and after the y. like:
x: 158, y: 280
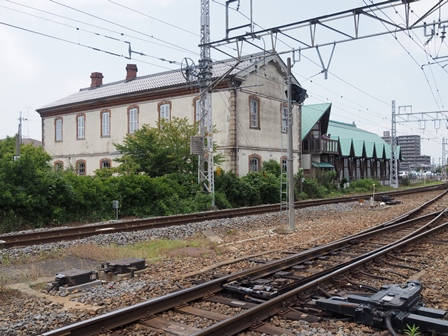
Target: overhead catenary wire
x: 355, y: 86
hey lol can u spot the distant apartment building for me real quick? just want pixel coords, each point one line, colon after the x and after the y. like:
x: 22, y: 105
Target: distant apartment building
x: 411, y: 152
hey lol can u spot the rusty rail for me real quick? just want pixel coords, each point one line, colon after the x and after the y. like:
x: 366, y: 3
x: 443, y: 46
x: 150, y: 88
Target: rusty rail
x: 73, y: 233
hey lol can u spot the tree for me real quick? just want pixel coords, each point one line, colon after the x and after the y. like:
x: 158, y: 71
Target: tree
x: 25, y: 184
x: 158, y: 151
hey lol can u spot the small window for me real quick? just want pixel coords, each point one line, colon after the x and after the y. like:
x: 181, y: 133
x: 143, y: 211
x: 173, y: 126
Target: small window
x: 105, y: 123
x: 81, y: 167
x: 133, y: 120
x: 254, y: 108
x: 164, y: 111
x: 254, y: 162
x: 58, y: 129
x: 80, y: 123
x: 105, y: 163
x: 285, y: 119
x: 58, y: 166
x: 284, y: 162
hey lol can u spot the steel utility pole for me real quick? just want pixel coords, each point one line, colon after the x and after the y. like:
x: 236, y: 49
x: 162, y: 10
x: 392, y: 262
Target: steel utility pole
x: 205, y: 170
x: 393, y: 148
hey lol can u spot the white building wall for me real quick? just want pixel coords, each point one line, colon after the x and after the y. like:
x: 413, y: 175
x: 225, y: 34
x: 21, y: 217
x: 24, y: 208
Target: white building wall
x: 267, y: 84
x: 268, y: 141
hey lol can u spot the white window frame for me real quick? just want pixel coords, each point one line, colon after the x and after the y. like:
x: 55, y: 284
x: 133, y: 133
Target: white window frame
x: 285, y: 119
x: 105, y: 124
x: 81, y: 122
x: 133, y: 120
x: 58, y: 130
x: 284, y: 164
x: 103, y: 162
x: 81, y: 168
x: 165, y: 113
x: 254, y: 108
x: 254, y: 164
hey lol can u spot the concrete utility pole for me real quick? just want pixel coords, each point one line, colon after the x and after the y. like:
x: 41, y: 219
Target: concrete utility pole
x: 444, y: 151
x: 290, y: 165
x: 19, y: 136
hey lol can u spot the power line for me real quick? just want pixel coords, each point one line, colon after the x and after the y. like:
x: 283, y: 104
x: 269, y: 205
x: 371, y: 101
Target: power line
x: 92, y: 25
x: 117, y: 24
x: 71, y: 42
x: 153, y: 18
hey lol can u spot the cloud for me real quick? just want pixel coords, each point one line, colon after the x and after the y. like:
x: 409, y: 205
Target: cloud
x: 18, y: 61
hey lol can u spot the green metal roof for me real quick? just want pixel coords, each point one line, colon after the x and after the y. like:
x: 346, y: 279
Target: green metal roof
x: 353, y: 141
x: 369, y: 149
x: 345, y: 146
x: 322, y: 164
x: 379, y: 149
x: 349, y: 135
x: 358, y: 146
x: 311, y: 114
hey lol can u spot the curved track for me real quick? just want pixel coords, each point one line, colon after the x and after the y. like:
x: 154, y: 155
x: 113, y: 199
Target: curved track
x: 277, y: 287
x: 73, y: 233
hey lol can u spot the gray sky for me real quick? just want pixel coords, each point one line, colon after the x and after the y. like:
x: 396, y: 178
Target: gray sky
x: 364, y: 75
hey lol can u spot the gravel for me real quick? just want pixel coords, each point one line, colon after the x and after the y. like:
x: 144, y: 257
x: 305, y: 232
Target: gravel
x: 31, y: 314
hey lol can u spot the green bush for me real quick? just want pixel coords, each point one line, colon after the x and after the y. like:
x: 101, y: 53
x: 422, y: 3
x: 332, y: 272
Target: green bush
x: 364, y: 185
x: 221, y: 201
x: 313, y: 189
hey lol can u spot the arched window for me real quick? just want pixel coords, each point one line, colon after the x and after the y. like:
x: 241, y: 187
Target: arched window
x: 58, y: 129
x: 105, y: 163
x: 81, y: 126
x: 254, y: 112
x: 81, y: 167
x: 105, y: 123
x: 254, y: 162
x: 133, y: 113
x: 284, y: 116
x: 164, y: 111
x: 58, y: 165
x: 284, y: 163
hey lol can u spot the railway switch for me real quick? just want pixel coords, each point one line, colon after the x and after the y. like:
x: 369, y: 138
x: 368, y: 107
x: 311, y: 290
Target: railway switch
x: 72, y: 278
x: 392, y: 307
x: 114, y: 269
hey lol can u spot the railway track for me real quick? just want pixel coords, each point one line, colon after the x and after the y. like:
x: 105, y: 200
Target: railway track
x: 79, y: 232
x: 294, y: 287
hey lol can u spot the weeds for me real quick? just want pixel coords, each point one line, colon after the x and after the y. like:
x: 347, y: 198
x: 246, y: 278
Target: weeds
x: 412, y: 330
x: 151, y: 250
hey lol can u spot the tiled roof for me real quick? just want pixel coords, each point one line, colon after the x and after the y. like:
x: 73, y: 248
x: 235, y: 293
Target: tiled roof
x: 158, y: 81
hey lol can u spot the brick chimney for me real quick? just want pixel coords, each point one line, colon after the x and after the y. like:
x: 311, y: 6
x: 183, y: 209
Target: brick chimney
x: 97, y: 79
x: 131, y: 72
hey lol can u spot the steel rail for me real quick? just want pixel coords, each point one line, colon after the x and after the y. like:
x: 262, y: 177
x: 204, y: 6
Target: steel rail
x: 131, y: 314
x: 263, y: 311
x: 72, y: 233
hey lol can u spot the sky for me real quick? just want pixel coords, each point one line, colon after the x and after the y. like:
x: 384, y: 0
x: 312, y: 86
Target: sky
x: 49, y: 48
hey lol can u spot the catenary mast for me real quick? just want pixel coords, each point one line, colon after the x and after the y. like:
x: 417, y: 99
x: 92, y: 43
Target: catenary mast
x: 205, y: 170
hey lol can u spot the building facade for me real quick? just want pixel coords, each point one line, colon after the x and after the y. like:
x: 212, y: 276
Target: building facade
x: 248, y: 108
x: 411, y: 152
